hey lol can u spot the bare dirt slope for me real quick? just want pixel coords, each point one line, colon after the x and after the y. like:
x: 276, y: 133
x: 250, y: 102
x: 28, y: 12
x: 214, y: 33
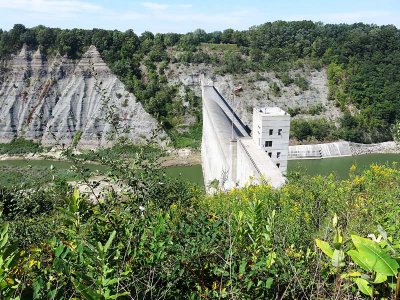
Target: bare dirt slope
x: 51, y: 100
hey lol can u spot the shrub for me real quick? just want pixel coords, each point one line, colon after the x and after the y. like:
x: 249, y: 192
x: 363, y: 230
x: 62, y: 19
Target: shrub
x: 20, y: 146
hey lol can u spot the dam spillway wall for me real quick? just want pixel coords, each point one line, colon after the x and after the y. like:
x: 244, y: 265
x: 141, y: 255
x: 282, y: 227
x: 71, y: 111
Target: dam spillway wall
x: 318, y: 151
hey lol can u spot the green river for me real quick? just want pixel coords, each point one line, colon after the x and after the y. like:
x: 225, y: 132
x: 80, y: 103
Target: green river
x: 340, y: 166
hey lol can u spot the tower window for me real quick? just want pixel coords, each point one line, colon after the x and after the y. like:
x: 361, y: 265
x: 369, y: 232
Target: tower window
x: 278, y: 154
x: 270, y: 154
x: 279, y: 131
x: 268, y: 143
x: 278, y: 165
x: 271, y: 132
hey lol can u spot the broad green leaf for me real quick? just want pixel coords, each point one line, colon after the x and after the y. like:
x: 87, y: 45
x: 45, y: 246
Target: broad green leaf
x: 335, y: 220
x: 4, y: 235
x: 350, y: 274
x: 269, y: 282
x: 375, y: 257
x: 59, y: 250
x: 74, y: 201
x: 110, y: 281
x: 110, y: 239
x: 338, y: 258
x: 363, y: 286
x: 325, y: 247
x: 338, y: 239
x: 359, y: 260
x: 392, y: 285
x: 380, y: 278
x: 118, y: 295
x: 242, y: 267
x: 86, y: 292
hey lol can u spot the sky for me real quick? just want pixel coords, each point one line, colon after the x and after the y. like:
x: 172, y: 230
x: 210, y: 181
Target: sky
x: 182, y: 16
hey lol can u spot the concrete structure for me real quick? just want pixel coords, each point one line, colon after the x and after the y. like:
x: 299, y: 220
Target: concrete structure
x: 271, y: 127
x: 318, y: 151
x: 229, y: 155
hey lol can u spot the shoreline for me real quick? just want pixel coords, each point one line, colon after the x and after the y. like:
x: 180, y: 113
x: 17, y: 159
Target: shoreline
x: 174, y: 158
x: 379, y: 148
x: 189, y: 157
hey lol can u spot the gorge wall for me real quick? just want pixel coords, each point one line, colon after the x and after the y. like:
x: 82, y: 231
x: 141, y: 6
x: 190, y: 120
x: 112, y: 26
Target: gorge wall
x: 51, y: 100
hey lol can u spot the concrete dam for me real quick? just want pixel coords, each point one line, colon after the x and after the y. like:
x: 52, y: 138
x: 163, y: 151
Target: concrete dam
x: 230, y: 156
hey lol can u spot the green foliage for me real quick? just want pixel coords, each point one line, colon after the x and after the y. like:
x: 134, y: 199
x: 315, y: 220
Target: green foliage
x: 161, y: 238
x: 285, y: 78
x: 233, y: 63
x: 76, y: 139
x: 372, y: 257
x: 301, y: 82
x: 20, y: 146
x: 275, y: 89
x: 190, y: 138
x: 396, y: 132
x: 120, y: 150
x: 320, y: 129
x: 9, y: 259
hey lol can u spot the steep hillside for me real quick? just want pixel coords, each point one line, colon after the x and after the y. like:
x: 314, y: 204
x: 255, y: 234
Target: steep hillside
x: 264, y: 89
x: 54, y: 100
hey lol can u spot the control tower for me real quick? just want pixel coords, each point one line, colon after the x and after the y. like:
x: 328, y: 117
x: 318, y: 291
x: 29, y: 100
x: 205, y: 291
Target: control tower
x: 271, y: 126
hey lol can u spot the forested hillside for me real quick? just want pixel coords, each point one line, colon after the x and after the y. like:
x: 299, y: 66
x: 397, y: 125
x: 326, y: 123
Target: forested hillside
x: 362, y: 62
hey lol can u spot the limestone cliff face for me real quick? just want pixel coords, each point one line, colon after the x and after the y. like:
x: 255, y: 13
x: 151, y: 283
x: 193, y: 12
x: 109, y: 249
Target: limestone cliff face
x: 51, y: 100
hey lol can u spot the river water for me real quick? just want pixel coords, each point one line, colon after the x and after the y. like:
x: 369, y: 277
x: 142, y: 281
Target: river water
x: 340, y: 166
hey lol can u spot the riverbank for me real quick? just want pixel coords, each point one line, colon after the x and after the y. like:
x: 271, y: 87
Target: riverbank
x: 386, y: 147
x: 173, y: 158
x: 181, y: 157
x: 189, y: 157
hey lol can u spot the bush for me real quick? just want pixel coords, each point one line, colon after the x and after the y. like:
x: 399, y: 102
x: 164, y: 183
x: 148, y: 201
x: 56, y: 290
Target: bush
x: 301, y: 82
x: 319, y: 129
x: 20, y: 146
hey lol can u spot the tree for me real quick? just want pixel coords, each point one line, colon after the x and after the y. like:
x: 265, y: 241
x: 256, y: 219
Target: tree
x: 396, y: 132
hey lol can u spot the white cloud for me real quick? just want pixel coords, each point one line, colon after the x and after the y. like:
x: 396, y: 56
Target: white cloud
x: 154, y: 6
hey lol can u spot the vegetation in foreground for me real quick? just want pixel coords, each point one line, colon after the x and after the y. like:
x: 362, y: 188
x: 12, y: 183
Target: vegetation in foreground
x: 163, y: 238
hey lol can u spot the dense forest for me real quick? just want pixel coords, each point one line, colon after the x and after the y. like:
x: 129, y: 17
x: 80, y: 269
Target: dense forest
x: 362, y: 62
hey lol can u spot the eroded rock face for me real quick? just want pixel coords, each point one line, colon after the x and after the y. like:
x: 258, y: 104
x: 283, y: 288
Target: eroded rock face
x: 51, y: 100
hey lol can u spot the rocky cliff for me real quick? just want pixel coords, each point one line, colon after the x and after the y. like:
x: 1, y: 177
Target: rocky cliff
x: 257, y: 90
x: 52, y: 100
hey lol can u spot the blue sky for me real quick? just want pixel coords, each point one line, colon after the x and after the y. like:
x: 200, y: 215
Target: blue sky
x: 183, y: 16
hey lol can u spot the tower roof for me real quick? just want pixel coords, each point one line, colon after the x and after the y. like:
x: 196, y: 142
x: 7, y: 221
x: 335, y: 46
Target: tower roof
x: 270, y: 111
